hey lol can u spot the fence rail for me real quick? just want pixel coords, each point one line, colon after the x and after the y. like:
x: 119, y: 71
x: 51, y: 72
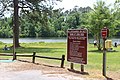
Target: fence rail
x: 48, y: 57
x: 34, y: 56
x: 6, y: 54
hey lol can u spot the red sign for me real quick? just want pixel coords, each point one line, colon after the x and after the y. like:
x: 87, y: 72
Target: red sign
x: 77, y: 46
x: 104, y: 32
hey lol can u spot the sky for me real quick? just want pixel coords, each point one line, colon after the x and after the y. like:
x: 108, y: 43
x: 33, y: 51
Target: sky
x: 69, y: 4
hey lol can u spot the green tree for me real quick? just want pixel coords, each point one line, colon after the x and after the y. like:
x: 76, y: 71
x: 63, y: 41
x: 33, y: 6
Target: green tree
x: 5, y: 28
x: 31, y: 5
x: 116, y: 16
x: 100, y: 17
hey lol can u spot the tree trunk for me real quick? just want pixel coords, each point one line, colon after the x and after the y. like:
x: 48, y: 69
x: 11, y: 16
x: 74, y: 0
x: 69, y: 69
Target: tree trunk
x: 16, y: 25
x: 99, y: 46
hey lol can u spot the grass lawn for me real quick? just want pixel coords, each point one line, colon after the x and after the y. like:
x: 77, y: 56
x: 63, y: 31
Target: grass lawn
x: 58, y: 49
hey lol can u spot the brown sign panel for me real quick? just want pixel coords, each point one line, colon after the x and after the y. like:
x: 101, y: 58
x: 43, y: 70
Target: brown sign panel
x: 77, y: 46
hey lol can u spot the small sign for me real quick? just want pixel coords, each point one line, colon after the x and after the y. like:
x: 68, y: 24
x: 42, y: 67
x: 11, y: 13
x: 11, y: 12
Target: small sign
x: 104, y: 33
x: 77, y: 46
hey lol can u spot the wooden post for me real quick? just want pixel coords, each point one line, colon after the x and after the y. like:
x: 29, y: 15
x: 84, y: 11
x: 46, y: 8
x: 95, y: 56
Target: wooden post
x: 62, y: 61
x: 82, y: 68
x: 71, y: 65
x: 104, y: 58
x: 33, y: 60
x: 14, y: 56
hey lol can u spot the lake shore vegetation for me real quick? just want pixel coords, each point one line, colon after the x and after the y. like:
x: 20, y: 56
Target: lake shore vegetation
x: 55, y: 22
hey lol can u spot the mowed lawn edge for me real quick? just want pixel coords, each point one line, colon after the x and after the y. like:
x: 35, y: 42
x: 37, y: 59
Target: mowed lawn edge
x: 59, y: 49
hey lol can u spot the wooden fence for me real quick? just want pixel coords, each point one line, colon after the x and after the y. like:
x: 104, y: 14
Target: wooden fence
x: 34, y: 56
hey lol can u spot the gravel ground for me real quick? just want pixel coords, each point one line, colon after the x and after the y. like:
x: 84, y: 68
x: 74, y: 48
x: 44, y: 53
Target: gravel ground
x: 28, y: 71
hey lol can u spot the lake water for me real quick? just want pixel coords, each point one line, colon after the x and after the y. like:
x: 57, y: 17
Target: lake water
x: 31, y: 40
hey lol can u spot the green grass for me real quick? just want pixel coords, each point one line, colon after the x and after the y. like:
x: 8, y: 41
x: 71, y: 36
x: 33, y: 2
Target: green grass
x: 58, y: 49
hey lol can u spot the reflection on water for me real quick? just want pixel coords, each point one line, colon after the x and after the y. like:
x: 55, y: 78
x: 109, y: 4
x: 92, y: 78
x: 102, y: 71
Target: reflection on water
x: 31, y: 40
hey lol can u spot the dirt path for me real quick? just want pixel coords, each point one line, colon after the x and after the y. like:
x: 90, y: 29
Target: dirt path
x: 27, y: 71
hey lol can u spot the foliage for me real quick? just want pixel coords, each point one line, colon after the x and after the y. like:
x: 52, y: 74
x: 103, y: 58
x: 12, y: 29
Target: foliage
x: 31, y: 5
x: 116, y: 16
x: 6, y: 28
x: 40, y: 19
x: 5, y: 7
x: 101, y: 16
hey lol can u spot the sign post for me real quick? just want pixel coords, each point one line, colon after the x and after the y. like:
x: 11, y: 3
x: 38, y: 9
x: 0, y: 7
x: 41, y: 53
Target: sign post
x: 104, y: 33
x: 77, y: 47
x: 104, y: 58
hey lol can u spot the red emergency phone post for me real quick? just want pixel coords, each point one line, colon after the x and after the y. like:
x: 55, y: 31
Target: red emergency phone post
x: 104, y: 34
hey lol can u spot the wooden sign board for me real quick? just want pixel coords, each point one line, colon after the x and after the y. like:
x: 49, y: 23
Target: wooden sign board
x: 77, y: 46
